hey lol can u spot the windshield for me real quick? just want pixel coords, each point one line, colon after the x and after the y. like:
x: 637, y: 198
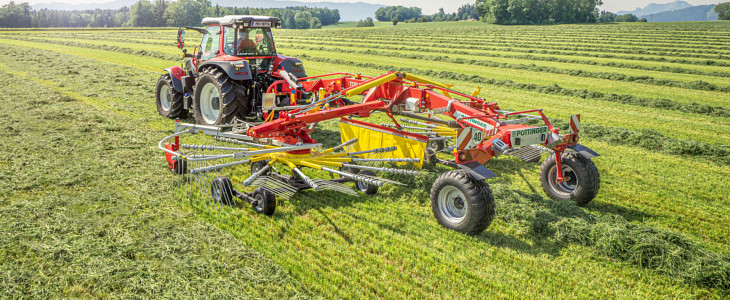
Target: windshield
x: 249, y: 41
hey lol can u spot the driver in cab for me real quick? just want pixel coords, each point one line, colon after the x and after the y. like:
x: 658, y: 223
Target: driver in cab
x: 245, y: 44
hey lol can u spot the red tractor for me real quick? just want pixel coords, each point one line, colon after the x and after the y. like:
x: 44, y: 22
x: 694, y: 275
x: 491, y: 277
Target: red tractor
x: 229, y: 73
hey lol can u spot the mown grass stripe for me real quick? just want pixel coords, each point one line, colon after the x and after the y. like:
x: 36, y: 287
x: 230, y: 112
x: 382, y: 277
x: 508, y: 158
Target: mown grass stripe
x: 553, y: 89
x: 615, y: 64
x: 697, y: 85
x: 684, y: 60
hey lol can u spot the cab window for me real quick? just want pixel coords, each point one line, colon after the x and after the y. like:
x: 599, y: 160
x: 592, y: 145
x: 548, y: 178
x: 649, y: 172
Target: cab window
x: 252, y: 41
x: 209, y: 46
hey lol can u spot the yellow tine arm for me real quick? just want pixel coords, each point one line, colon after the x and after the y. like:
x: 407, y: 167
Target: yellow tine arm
x: 371, y: 84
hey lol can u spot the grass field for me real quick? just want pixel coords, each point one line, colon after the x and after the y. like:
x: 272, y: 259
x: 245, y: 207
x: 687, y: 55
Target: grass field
x: 87, y: 210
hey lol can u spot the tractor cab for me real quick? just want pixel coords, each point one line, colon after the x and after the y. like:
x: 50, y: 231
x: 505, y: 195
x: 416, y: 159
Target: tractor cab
x: 229, y: 73
x: 237, y: 37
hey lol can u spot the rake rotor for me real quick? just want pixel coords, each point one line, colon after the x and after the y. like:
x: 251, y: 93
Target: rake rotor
x: 220, y: 165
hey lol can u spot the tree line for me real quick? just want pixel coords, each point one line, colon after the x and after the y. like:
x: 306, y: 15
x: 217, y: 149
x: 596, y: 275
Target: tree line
x: 399, y: 13
x: 159, y: 13
x: 538, y: 11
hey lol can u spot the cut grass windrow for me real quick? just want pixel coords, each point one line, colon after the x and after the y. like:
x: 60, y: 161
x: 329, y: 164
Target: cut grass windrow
x: 552, y: 89
x: 696, y: 85
x: 614, y: 64
x: 389, y: 246
x: 712, y: 61
x: 611, y: 235
x: 590, y: 48
x: 84, y: 216
x: 547, y: 89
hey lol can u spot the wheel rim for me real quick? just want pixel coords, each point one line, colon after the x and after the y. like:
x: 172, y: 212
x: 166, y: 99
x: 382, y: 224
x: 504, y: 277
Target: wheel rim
x: 216, y: 192
x: 210, y: 103
x: 452, y: 204
x: 260, y: 202
x: 361, y: 185
x: 165, y: 96
x: 566, y: 187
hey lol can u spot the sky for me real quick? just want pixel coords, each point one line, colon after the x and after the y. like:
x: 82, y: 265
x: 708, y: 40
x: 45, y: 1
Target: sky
x: 431, y: 6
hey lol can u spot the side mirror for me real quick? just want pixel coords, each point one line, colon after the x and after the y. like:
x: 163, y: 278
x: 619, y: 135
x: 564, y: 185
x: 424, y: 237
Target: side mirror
x: 180, y: 38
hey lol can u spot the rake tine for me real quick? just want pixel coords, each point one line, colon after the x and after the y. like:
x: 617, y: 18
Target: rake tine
x: 358, y: 177
x: 253, y: 176
x: 376, y: 150
x: 234, y: 141
x: 415, y: 160
x: 306, y: 179
x: 391, y: 170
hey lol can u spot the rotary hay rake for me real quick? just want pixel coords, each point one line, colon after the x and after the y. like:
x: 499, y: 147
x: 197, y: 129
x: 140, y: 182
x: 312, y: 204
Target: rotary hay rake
x: 425, y: 117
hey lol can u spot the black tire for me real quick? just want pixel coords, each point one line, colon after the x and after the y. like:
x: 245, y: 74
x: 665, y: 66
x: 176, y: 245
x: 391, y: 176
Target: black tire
x: 429, y: 156
x: 227, y: 103
x: 583, y: 178
x: 462, y: 203
x: 165, y: 90
x: 368, y: 189
x: 265, y: 202
x: 180, y: 167
x: 536, y: 159
x: 245, y: 105
x: 347, y: 169
x: 255, y: 167
x: 222, y: 191
x: 436, y: 145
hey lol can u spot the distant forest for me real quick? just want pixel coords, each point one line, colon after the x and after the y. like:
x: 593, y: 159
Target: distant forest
x: 413, y: 14
x: 157, y: 14
x: 538, y: 11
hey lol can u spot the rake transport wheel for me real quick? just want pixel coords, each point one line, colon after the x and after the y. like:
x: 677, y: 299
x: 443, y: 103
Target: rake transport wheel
x: 221, y: 190
x: 265, y: 202
x: 169, y: 101
x: 582, y: 179
x: 216, y: 99
x: 368, y: 189
x: 462, y: 203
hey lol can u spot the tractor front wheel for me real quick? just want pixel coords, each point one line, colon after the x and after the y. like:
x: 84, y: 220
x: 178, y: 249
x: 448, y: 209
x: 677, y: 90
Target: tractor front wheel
x: 581, y: 183
x: 462, y: 203
x: 216, y: 98
x: 169, y: 101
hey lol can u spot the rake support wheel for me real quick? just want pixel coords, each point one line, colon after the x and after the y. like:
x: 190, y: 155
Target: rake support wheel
x: 265, y: 202
x: 169, y: 102
x: 221, y: 190
x: 462, y: 203
x: 582, y: 178
x: 368, y: 189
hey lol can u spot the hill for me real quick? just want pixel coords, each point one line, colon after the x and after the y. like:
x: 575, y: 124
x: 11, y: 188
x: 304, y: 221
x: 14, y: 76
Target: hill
x: 694, y: 13
x: 349, y: 11
x: 654, y: 8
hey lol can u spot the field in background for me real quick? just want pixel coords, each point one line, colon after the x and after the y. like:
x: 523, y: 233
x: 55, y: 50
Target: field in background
x: 86, y: 212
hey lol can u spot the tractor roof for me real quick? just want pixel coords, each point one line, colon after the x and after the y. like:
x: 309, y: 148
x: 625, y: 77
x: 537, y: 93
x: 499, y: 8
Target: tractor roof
x: 229, y: 20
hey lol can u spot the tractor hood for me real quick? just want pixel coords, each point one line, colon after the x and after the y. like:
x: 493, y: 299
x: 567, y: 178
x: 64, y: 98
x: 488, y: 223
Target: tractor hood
x: 290, y: 64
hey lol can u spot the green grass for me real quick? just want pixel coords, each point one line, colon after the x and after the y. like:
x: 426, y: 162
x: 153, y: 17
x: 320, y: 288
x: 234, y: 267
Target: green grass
x: 102, y: 223
x: 84, y: 214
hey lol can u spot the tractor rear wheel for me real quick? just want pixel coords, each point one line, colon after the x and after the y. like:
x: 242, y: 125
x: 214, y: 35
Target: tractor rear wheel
x: 462, y: 203
x: 216, y: 99
x: 582, y: 179
x: 169, y: 101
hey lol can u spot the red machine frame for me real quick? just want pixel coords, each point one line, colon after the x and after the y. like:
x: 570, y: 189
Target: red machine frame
x: 389, y: 93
